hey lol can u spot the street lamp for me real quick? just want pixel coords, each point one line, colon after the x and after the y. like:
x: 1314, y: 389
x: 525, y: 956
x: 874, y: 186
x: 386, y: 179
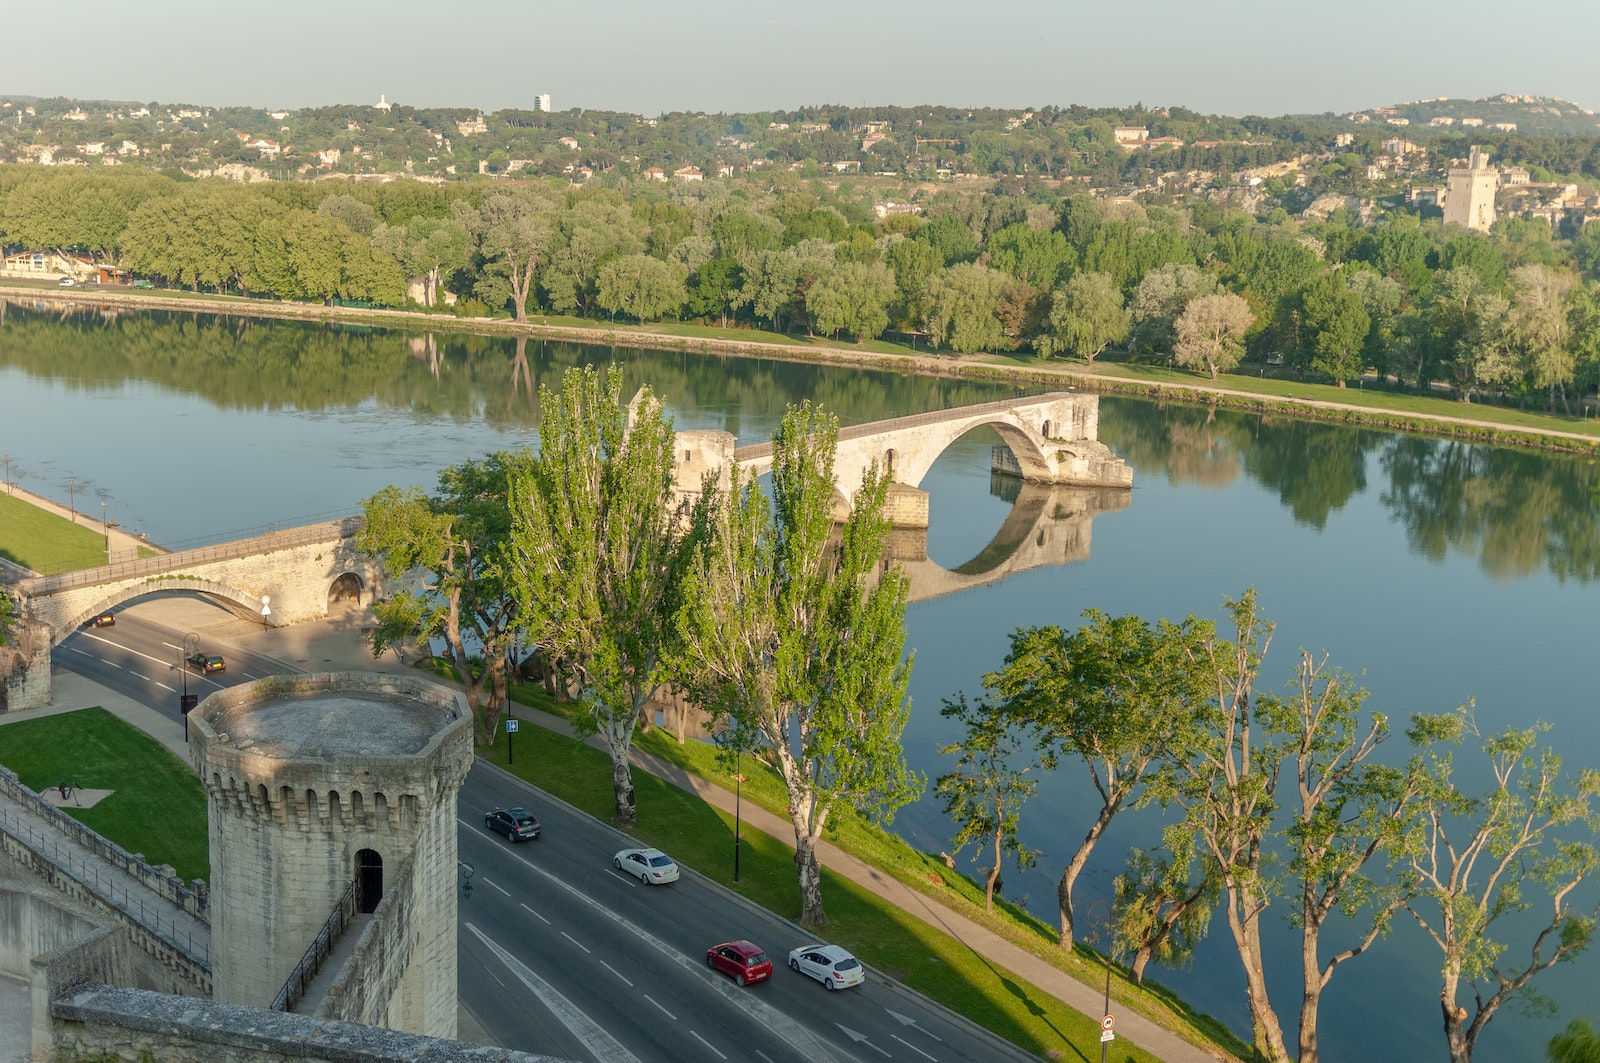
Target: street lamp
x: 1098, y: 917
x: 738, y: 793
x: 72, y: 498
x: 106, y: 528
x: 8, y: 475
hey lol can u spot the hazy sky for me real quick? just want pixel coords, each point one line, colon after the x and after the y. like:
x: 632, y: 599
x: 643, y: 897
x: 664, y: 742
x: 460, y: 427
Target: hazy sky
x: 1222, y: 56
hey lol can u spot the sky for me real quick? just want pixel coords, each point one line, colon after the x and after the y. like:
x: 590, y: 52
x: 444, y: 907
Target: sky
x: 1232, y: 57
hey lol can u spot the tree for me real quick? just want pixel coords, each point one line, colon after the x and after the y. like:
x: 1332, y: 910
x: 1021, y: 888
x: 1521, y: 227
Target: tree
x: 459, y: 538
x: 963, y: 308
x: 1114, y: 694
x: 1578, y: 1043
x: 1160, y: 299
x: 853, y: 297
x: 1209, y: 333
x: 714, y: 289
x: 1161, y: 909
x: 785, y: 636
x: 596, y: 555
x: 431, y: 248
x: 984, y: 795
x: 1538, y: 327
x: 515, y: 231
x: 642, y: 287
x: 1086, y: 315
x: 1483, y: 860
x: 1334, y: 325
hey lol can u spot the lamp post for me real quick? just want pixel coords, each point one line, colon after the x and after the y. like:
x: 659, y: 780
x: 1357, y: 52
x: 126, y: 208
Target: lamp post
x: 8, y: 474
x: 72, y: 498
x: 106, y: 528
x: 738, y: 793
x: 1099, y: 917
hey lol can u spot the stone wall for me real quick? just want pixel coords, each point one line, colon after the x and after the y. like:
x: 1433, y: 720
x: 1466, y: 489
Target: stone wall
x: 25, y: 668
x: 97, y: 1022
x: 372, y: 974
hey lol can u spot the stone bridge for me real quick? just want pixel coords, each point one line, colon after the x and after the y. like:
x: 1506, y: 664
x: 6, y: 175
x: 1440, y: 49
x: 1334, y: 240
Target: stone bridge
x: 280, y: 578
x: 1053, y: 439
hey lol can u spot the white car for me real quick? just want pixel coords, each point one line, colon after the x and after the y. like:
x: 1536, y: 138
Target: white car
x: 828, y: 964
x: 650, y: 866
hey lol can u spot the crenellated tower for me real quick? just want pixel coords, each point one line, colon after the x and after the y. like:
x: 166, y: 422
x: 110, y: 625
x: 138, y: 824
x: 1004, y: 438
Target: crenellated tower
x: 320, y: 785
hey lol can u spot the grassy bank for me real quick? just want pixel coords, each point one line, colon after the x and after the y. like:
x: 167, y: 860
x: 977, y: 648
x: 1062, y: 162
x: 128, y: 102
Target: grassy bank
x: 156, y: 807
x: 44, y: 542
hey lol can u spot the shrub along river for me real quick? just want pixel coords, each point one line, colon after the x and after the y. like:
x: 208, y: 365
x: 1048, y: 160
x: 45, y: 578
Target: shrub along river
x: 1441, y: 572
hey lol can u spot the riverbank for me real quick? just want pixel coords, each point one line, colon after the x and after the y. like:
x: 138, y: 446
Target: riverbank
x: 1401, y: 411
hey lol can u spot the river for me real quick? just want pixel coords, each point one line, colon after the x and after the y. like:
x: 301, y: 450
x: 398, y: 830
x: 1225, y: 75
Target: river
x: 1442, y: 572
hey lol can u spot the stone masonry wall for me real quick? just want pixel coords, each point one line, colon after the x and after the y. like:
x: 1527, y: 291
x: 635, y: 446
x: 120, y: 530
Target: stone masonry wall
x: 372, y: 974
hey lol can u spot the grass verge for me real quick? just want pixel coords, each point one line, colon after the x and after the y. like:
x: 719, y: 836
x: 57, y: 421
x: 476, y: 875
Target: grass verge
x: 885, y: 936
x: 44, y: 542
x: 157, y: 807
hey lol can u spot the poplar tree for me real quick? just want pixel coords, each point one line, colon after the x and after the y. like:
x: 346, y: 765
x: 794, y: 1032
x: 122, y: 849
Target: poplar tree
x: 793, y: 635
x: 595, y: 558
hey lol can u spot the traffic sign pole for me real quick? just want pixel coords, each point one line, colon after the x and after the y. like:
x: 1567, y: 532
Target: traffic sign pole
x: 511, y: 751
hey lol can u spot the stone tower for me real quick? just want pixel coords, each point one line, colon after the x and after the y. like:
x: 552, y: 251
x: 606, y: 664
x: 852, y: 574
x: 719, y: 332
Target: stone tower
x: 1469, y: 200
x: 321, y: 784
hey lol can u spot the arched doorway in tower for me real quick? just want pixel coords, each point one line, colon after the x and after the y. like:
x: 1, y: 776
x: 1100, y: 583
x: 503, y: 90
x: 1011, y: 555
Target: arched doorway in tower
x: 345, y: 592
x: 369, y: 880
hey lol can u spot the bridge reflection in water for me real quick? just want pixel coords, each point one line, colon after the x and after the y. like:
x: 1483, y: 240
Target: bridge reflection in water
x: 1049, y: 524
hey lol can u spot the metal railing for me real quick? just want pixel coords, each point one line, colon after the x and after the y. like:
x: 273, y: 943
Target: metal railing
x: 112, y: 887
x: 306, y: 970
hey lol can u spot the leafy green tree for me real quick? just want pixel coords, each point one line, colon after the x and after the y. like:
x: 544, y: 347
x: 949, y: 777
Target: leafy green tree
x: 790, y: 635
x: 514, y: 230
x: 1335, y: 326
x: 460, y: 538
x: 1484, y: 860
x: 596, y: 557
x: 1210, y: 333
x: 985, y: 793
x: 950, y: 238
x: 964, y: 308
x: 595, y: 232
x: 1578, y: 1043
x: 1086, y: 316
x: 1042, y: 259
x: 1160, y: 299
x: 1162, y: 908
x: 1537, y: 324
x: 716, y: 289
x: 7, y: 613
x: 853, y: 297
x: 352, y: 213
x: 434, y: 249
x: 642, y: 287
x: 1113, y: 694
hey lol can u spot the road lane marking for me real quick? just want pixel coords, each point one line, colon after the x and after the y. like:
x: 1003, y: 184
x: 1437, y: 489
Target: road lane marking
x: 136, y: 675
x: 590, y: 1034
x: 657, y: 1003
x: 906, y: 1020
x: 805, y: 1041
x: 764, y: 1056
x: 545, y: 921
x: 168, y: 665
x: 113, y: 664
x: 913, y: 1047
x: 861, y: 1039
x: 86, y: 653
x: 708, y: 1044
x: 163, y: 686
x: 496, y: 885
x: 603, y: 963
x: 576, y: 942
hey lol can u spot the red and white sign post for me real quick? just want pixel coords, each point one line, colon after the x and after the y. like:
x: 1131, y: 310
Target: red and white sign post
x: 1105, y: 1029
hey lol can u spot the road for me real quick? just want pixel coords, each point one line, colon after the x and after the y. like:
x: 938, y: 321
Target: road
x: 560, y: 953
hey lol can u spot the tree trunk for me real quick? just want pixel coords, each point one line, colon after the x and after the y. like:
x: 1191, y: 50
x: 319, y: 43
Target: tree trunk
x: 810, y: 873
x: 1141, y: 960
x: 1267, y: 1031
x: 1075, y: 866
x: 994, y: 875
x: 621, y: 778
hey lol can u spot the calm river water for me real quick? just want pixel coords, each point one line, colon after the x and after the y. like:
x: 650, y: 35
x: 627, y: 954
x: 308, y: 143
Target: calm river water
x: 1444, y: 572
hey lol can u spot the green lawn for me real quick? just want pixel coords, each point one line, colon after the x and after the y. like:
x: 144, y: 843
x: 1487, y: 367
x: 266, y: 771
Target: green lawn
x: 885, y: 936
x: 44, y: 542
x: 157, y: 806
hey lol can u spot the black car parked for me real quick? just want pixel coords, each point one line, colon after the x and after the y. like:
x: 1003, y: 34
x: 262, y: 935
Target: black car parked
x: 517, y: 824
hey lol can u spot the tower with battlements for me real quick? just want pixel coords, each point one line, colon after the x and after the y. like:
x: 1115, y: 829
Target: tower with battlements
x: 333, y: 796
x: 1469, y: 200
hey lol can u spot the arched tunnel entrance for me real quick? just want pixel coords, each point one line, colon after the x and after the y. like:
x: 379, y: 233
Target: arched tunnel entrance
x: 345, y: 591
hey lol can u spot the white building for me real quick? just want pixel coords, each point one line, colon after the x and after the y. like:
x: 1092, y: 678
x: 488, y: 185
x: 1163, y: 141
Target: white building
x: 1470, y: 199
x: 541, y: 102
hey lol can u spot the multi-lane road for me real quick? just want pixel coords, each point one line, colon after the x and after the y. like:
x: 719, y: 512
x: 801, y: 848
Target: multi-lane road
x: 559, y: 953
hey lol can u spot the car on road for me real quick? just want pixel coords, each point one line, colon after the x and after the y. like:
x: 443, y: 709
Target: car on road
x: 65, y: 282
x: 206, y: 663
x: 650, y: 866
x: 828, y: 964
x: 517, y: 824
x: 103, y: 620
x: 741, y: 960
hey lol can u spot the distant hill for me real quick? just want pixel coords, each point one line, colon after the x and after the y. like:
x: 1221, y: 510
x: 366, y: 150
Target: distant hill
x: 1539, y: 116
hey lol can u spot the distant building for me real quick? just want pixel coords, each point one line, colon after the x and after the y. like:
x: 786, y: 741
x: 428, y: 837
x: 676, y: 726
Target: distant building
x: 570, y: 143
x: 1506, y: 127
x: 1130, y: 135
x: 1441, y: 120
x: 688, y: 173
x: 472, y: 125
x: 383, y: 103
x: 1344, y: 140
x: 1398, y: 146
x: 541, y: 102
x: 1472, y: 123
x: 1469, y: 200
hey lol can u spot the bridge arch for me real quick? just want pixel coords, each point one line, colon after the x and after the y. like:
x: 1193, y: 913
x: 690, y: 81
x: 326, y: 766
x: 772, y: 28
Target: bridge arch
x: 243, y: 601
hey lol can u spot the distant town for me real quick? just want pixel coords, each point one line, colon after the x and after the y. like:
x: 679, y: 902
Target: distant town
x: 1538, y: 157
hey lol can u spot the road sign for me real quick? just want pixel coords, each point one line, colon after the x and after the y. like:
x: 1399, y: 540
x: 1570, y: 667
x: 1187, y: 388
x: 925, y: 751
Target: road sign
x: 1105, y: 1029
x: 511, y: 726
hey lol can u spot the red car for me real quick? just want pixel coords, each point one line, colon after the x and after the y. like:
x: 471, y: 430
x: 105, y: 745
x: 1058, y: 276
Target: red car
x: 743, y: 961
